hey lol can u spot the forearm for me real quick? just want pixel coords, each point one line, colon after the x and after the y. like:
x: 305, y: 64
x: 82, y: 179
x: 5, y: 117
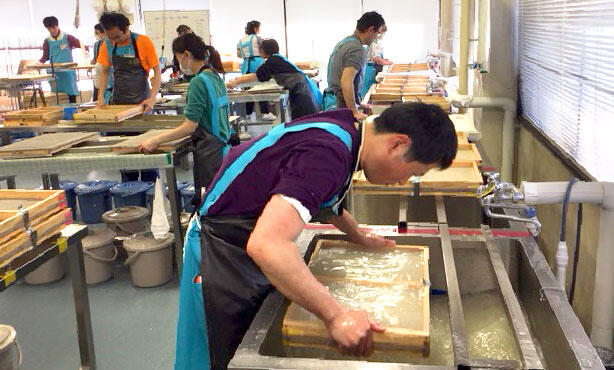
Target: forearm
x: 248, y: 78
x: 347, y: 224
x: 347, y: 87
x: 103, y: 80
x: 183, y: 130
x: 156, y: 82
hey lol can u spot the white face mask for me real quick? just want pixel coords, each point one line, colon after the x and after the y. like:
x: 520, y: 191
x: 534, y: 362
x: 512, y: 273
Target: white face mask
x: 186, y: 70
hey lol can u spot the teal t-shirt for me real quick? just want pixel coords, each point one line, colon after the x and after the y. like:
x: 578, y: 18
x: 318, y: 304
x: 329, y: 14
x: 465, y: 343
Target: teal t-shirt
x: 198, y: 105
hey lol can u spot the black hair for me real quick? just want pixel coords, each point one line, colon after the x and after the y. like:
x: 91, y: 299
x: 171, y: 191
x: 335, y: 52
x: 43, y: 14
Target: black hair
x: 199, y: 50
x: 368, y: 20
x: 429, y: 127
x: 98, y: 27
x: 251, y: 26
x: 183, y: 29
x: 50, y: 21
x: 110, y: 20
x: 270, y: 47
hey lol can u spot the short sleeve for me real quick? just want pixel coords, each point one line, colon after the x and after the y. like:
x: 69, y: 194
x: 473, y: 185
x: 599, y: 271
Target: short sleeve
x: 314, y: 173
x: 151, y: 57
x: 354, y: 57
x: 103, y: 56
x: 265, y: 71
x: 197, y: 100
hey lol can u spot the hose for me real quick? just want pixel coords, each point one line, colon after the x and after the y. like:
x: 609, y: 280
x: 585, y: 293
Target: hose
x: 576, y: 255
x: 570, y: 184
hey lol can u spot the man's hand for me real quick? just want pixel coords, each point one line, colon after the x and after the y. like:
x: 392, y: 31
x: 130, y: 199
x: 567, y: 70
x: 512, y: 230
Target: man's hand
x: 100, y: 103
x: 359, y: 116
x: 231, y: 84
x: 376, y: 241
x: 149, y: 145
x: 148, y: 104
x: 353, y: 332
x: 366, y: 107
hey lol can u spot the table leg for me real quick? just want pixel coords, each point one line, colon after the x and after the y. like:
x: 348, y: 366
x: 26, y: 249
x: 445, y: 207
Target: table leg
x: 173, y: 196
x: 54, y: 181
x: 82, y: 307
x: 46, y: 181
x: 10, y: 182
x: 5, y: 138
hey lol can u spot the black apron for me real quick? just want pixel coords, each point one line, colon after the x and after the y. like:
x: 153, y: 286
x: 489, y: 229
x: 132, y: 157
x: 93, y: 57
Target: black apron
x: 130, y: 78
x: 302, y: 102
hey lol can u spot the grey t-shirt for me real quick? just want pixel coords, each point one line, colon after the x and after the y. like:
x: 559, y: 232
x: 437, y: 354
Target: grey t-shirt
x: 350, y: 54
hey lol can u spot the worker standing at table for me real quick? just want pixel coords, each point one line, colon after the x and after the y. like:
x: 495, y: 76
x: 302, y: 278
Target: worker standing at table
x: 99, y: 34
x: 305, y: 96
x: 57, y: 48
x: 375, y: 63
x: 347, y: 62
x: 206, y: 112
x: 132, y: 56
x: 249, y: 48
x: 241, y: 245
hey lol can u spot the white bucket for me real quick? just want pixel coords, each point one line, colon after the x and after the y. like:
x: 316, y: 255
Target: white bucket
x: 125, y: 221
x: 99, y: 255
x: 150, y: 260
x: 48, y: 272
x: 11, y: 357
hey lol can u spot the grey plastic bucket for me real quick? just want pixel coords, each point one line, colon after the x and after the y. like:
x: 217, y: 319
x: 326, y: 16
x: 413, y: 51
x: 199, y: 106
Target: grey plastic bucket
x: 150, y: 260
x: 48, y: 272
x: 11, y: 356
x: 99, y: 255
x: 126, y: 221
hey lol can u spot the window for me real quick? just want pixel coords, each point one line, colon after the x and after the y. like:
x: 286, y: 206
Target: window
x: 566, y: 66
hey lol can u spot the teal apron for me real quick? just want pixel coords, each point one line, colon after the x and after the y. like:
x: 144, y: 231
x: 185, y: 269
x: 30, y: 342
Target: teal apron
x: 60, y: 52
x: 231, y: 277
x: 108, y: 92
x: 315, y: 90
x: 130, y: 78
x: 330, y: 98
x: 251, y: 62
x: 368, y: 80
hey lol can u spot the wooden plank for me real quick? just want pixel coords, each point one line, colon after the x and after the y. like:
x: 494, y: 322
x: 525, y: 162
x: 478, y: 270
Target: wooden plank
x: 61, y: 65
x: 25, y: 78
x: 44, y: 145
x: 109, y: 114
x: 131, y: 145
x: 33, y: 117
x: 468, y: 152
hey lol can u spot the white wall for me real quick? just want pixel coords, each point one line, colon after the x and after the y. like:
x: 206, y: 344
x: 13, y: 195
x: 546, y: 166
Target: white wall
x: 175, y: 4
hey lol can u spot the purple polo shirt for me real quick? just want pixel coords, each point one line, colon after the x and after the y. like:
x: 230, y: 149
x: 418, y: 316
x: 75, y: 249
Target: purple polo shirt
x: 310, y: 166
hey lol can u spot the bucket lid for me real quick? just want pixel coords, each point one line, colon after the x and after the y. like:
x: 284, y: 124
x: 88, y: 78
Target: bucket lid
x: 125, y: 214
x: 98, y: 186
x: 130, y: 188
x: 189, y: 190
x: 67, y: 185
x: 7, y: 336
x: 98, y: 238
x: 145, y: 242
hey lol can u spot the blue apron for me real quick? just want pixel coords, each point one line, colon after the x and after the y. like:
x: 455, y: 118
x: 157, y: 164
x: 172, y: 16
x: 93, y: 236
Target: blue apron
x: 251, y: 62
x: 317, y: 94
x: 368, y: 79
x: 108, y: 92
x: 60, y: 52
x: 329, y: 100
x: 192, y: 347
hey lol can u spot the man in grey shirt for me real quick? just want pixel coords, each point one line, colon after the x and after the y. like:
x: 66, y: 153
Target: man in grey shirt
x: 347, y: 62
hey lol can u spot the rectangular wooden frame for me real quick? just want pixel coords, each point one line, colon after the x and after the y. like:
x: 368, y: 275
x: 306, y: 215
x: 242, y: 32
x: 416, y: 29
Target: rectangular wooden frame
x: 109, y: 114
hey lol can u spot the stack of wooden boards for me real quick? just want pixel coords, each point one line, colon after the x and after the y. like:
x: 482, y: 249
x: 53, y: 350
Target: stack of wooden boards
x: 407, y: 88
x: 28, y: 218
x: 391, y: 284
x: 42, y: 116
x: 109, y: 114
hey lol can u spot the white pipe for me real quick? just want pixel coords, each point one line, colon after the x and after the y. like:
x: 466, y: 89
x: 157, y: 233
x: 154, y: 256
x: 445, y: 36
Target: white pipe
x: 562, y: 258
x: 602, y: 193
x: 463, y: 70
x: 509, y: 135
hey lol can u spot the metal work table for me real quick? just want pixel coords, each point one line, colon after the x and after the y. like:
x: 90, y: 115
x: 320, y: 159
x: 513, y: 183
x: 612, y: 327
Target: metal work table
x: 549, y: 336
x: 16, y: 87
x: 51, y: 167
x: 69, y: 242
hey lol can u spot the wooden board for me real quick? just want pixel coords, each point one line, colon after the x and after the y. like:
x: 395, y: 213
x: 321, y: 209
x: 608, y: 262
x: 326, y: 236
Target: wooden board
x: 62, y: 65
x: 33, y: 117
x: 131, y: 145
x: 463, y: 123
x: 109, y: 114
x: 44, y: 145
x: 412, y: 331
x: 25, y: 78
x: 468, y: 153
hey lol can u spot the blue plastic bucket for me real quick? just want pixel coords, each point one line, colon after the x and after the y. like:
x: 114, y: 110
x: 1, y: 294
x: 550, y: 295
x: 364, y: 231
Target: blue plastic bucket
x: 94, y: 199
x: 180, y: 186
x: 187, y: 195
x: 71, y: 198
x: 67, y: 112
x: 131, y: 193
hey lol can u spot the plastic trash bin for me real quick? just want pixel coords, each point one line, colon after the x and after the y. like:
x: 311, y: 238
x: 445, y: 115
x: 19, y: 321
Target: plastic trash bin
x: 187, y: 195
x: 71, y: 198
x: 94, y: 199
x: 131, y: 193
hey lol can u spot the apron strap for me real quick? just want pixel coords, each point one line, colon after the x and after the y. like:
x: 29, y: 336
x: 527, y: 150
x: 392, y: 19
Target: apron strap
x: 217, y: 103
x: 334, y: 53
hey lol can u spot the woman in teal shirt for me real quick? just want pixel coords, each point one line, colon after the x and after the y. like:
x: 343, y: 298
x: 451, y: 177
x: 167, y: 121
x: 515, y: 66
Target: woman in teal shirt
x: 206, y: 112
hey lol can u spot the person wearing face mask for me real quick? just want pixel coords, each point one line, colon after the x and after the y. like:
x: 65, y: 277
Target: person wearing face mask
x: 375, y: 63
x: 132, y: 56
x: 99, y: 33
x: 206, y: 112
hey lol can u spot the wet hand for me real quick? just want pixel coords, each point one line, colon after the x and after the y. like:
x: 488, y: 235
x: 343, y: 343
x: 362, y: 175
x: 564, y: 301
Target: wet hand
x: 148, y: 145
x: 353, y: 333
x: 376, y: 241
x: 101, y: 104
x: 148, y: 105
x: 360, y: 116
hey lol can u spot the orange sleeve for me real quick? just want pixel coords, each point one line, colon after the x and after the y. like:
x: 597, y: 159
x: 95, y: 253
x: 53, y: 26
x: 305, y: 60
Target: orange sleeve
x: 147, y: 52
x: 103, y: 56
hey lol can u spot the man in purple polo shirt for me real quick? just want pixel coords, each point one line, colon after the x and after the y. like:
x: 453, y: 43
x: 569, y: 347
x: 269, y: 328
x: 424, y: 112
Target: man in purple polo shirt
x: 242, y: 243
